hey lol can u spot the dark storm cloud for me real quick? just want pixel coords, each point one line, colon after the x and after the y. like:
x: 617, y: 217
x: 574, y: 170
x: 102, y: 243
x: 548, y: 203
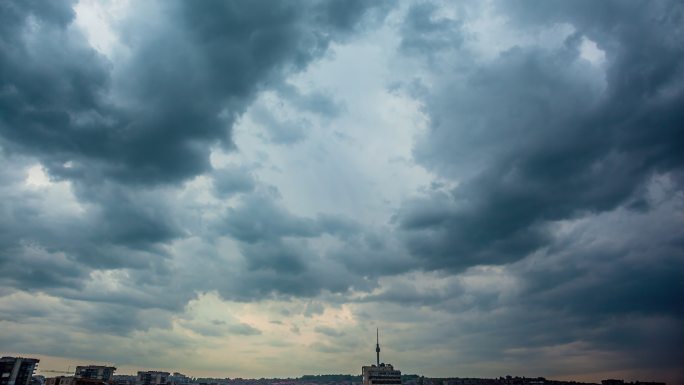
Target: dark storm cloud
x: 539, y: 140
x: 31, y: 268
x: 135, y: 219
x: 533, y: 136
x: 606, y: 285
x: 611, y: 286
x: 290, y: 255
x: 374, y: 254
x: 260, y: 218
x: 563, y: 173
x: 26, y: 263
x: 318, y: 277
x: 122, y: 132
x: 620, y: 298
x: 49, y: 77
x: 187, y: 79
x: 280, y: 258
x: 632, y: 266
x: 120, y: 319
x: 425, y: 33
x: 122, y: 228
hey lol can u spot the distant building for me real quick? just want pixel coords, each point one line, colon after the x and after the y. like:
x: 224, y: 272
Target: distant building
x: 119, y: 379
x: 62, y: 380
x: 17, y: 370
x: 95, y: 372
x: 59, y: 380
x: 179, y: 379
x: 621, y: 382
x: 38, y: 380
x: 152, y: 378
x: 381, y: 373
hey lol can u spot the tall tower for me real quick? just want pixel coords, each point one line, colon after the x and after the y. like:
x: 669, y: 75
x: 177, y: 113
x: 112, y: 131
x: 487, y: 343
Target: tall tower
x: 381, y: 373
x: 377, y: 345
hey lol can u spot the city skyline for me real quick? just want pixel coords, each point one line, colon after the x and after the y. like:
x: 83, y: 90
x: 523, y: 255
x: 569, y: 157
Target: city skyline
x: 17, y: 371
x: 253, y: 188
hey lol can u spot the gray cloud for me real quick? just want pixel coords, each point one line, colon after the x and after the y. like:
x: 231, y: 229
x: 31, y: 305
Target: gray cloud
x: 374, y: 254
x: 261, y: 218
x: 187, y: 79
x: 244, y: 329
x: 549, y: 233
x: 328, y: 331
x: 532, y: 137
x: 284, y: 254
x: 314, y: 308
x: 47, y: 244
x: 280, y: 130
x: 605, y: 285
x: 317, y: 102
x: 121, y: 132
x: 425, y: 33
x: 229, y: 181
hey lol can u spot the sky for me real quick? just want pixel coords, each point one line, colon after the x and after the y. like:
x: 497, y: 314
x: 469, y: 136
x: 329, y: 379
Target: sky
x: 251, y: 188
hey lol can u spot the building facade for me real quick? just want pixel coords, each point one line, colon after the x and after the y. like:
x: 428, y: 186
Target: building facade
x: 385, y: 374
x: 17, y: 370
x: 179, y: 379
x: 59, y: 380
x: 152, y: 378
x: 95, y: 372
x: 119, y: 379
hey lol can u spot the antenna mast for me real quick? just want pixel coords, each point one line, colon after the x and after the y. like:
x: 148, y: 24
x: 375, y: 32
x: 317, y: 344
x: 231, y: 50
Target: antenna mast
x: 377, y: 345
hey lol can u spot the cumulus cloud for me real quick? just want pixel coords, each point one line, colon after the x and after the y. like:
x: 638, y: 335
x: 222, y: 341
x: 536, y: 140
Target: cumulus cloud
x: 151, y: 119
x: 534, y: 136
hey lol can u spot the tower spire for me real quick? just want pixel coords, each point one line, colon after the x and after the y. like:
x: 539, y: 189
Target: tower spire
x: 377, y: 344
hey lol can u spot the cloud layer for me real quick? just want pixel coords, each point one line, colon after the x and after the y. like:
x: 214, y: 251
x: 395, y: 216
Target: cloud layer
x: 493, y: 184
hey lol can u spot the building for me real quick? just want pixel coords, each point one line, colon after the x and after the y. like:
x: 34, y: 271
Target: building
x: 59, y: 380
x: 38, y: 380
x: 381, y: 373
x: 95, y: 372
x: 179, y: 379
x: 17, y: 370
x: 152, y: 378
x: 119, y: 379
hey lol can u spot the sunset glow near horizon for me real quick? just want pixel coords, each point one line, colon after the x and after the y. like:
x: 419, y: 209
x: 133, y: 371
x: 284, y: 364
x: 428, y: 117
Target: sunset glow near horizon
x: 251, y: 188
